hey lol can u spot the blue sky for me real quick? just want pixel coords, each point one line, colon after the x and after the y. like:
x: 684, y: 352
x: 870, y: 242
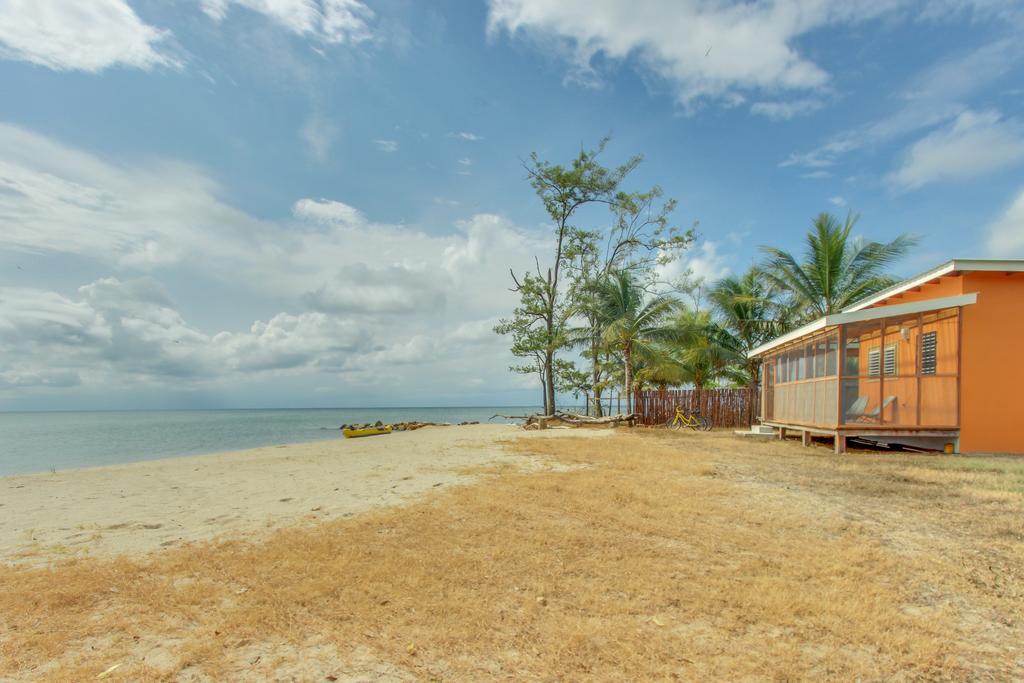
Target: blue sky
x: 233, y: 203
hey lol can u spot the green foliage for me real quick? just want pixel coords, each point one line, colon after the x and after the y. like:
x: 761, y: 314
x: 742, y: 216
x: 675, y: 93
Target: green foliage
x: 639, y: 237
x: 632, y: 323
x: 707, y: 352
x: 836, y: 270
x: 569, y: 379
x: 532, y: 337
x: 748, y: 313
x: 601, y: 296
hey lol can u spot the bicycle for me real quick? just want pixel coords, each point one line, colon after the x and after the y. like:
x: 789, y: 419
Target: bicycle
x: 692, y: 420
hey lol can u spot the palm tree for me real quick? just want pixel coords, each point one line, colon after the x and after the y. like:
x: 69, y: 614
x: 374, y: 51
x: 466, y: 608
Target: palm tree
x: 632, y: 321
x: 661, y: 366
x: 837, y: 270
x: 747, y: 307
x: 707, y: 351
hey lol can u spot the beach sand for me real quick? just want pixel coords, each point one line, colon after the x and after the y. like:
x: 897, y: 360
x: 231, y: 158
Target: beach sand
x: 149, y: 506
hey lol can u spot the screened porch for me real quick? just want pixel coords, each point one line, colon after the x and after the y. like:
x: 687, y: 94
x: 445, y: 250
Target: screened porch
x: 894, y: 369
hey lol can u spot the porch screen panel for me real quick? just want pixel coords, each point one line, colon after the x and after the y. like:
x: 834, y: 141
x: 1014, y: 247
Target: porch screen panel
x: 938, y: 401
x: 832, y: 355
x: 825, y: 402
x: 769, y: 388
x: 803, y: 389
x: 939, y: 367
x: 899, y: 372
x: 862, y: 367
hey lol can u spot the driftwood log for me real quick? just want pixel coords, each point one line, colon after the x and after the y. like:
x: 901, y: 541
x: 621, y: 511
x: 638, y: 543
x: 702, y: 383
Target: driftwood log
x: 572, y: 419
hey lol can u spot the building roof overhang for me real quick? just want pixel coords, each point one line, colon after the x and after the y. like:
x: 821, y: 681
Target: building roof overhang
x: 948, y: 268
x: 862, y: 315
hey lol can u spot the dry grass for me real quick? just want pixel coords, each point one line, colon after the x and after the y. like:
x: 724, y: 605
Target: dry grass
x: 664, y: 556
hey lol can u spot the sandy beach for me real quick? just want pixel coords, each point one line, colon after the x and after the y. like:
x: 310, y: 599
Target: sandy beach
x: 150, y: 506
x: 490, y: 553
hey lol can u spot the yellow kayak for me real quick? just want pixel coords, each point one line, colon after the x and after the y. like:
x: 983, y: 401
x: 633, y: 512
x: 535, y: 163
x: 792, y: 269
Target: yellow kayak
x: 368, y: 431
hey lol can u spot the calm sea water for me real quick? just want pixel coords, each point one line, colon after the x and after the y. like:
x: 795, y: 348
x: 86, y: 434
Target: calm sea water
x: 37, y: 442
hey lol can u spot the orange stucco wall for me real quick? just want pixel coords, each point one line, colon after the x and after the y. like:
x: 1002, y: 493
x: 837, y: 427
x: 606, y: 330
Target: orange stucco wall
x: 991, y: 372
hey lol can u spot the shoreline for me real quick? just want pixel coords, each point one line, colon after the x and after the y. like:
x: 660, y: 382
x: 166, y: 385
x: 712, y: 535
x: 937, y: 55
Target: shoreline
x: 140, y: 507
x: 184, y: 455
x: 42, y: 442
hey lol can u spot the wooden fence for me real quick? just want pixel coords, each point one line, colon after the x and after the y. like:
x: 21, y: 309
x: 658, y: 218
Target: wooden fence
x: 725, y: 407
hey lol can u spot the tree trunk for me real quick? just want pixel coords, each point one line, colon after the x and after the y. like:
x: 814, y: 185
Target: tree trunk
x: 595, y: 372
x: 549, y: 383
x: 543, y: 394
x: 627, y: 357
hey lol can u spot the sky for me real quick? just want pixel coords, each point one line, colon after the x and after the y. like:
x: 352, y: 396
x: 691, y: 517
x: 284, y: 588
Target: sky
x: 316, y: 203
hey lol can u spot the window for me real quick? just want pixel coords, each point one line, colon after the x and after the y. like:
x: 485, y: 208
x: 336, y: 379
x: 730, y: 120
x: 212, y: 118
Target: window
x: 890, y: 360
x: 928, y: 348
x: 875, y: 361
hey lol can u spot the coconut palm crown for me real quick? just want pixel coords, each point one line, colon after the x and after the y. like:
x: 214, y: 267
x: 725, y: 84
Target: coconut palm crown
x: 633, y: 321
x: 837, y: 270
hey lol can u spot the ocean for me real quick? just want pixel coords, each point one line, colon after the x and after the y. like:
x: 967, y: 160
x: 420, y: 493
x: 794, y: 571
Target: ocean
x: 41, y: 441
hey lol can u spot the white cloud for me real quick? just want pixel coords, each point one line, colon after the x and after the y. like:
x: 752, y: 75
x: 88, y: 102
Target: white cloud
x: 318, y: 133
x: 975, y: 143
x: 131, y: 331
x: 379, y: 289
x: 934, y: 96
x: 288, y: 341
x: 330, y: 21
x: 327, y: 211
x: 464, y: 135
x: 386, y: 145
x: 816, y: 175
x: 838, y: 201
x: 1006, y: 234
x: 783, y: 110
x: 336, y: 292
x: 702, y: 263
x: 466, y: 161
x: 706, y: 50
x: 20, y: 378
x: 66, y: 35
x: 59, y: 200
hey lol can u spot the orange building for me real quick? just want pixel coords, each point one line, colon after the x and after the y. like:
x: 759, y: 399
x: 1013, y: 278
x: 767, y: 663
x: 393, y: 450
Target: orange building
x: 931, y: 362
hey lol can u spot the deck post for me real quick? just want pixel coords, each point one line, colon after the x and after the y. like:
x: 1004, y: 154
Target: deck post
x: 782, y: 433
x: 806, y: 438
x: 840, y: 443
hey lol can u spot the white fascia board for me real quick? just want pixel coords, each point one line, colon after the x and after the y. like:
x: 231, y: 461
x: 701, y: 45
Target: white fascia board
x: 967, y: 265
x: 807, y: 329
x: 869, y: 314
x: 954, y: 266
x: 937, y: 272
